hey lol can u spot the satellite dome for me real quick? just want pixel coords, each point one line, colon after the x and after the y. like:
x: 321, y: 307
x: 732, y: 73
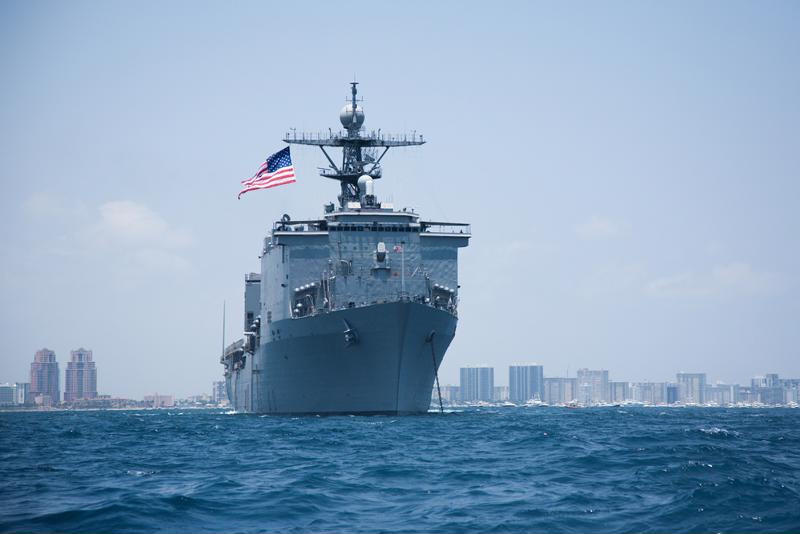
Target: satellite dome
x: 365, y: 184
x: 347, y: 118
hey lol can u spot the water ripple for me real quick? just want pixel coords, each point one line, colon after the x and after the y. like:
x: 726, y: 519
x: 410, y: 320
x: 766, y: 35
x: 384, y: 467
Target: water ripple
x: 507, y: 470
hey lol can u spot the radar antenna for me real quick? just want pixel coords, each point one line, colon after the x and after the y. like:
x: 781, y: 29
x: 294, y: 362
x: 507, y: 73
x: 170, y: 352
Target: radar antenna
x: 356, y: 162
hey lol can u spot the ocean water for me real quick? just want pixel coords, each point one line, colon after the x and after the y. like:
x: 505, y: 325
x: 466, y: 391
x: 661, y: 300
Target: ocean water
x: 477, y: 470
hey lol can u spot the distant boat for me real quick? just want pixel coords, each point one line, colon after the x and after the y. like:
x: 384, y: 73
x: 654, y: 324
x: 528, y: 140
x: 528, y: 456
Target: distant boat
x: 535, y: 403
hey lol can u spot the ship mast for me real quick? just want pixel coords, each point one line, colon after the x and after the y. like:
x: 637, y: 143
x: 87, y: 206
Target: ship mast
x: 358, y: 148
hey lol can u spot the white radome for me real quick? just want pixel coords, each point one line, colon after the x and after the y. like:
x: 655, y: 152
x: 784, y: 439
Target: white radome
x: 346, y: 116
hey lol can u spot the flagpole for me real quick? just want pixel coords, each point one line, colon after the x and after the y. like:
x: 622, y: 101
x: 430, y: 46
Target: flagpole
x: 223, y: 328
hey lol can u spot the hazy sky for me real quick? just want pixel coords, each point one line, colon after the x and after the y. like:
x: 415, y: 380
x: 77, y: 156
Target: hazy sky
x: 631, y: 172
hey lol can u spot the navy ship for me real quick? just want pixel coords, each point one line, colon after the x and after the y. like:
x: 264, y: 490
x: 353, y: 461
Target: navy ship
x: 352, y: 313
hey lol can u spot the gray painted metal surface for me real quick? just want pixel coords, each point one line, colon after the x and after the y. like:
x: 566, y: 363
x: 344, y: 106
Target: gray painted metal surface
x: 308, y: 367
x: 352, y: 312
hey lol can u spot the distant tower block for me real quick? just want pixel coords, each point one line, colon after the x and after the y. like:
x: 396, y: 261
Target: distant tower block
x: 477, y: 383
x: 44, y: 377
x: 526, y: 382
x: 81, y: 376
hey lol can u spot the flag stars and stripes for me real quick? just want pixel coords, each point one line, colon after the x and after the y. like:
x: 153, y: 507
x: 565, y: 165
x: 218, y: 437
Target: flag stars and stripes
x: 277, y: 170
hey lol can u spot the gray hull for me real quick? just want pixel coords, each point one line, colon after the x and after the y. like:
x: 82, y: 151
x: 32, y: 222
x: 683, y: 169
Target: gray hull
x: 305, y: 366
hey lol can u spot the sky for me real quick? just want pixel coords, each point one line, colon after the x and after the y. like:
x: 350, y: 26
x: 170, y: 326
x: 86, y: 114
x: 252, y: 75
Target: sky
x: 630, y: 171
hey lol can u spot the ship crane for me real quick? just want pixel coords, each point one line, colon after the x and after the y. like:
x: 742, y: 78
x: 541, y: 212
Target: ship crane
x: 356, y: 145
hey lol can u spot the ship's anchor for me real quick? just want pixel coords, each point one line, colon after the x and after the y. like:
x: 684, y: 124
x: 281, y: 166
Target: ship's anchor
x: 429, y: 339
x: 350, y: 335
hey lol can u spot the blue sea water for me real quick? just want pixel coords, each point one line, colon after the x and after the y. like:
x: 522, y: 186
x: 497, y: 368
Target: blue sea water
x: 478, y: 470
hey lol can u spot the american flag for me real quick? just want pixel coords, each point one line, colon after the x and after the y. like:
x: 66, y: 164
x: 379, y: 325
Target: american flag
x: 277, y: 170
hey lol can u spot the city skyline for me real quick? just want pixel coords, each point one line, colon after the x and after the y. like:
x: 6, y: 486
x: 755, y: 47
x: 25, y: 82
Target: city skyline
x: 762, y: 375
x: 526, y: 381
x: 592, y: 387
x: 504, y: 381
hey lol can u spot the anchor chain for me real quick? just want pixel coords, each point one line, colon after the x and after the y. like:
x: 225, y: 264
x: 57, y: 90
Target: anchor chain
x: 429, y: 339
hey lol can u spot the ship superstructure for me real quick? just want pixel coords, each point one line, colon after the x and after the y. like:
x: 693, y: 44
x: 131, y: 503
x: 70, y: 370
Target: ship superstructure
x: 352, y: 312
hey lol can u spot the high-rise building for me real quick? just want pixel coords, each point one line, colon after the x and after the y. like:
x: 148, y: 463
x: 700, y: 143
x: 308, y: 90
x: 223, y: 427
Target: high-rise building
x: 24, y: 393
x: 791, y: 390
x: 651, y: 393
x: 773, y: 395
x: 477, y: 383
x: 81, y: 376
x: 593, y: 386
x: 525, y: 382
x: 449, y: 394
x: 44, y: 377
x: 746, y: 395
x: 620, y: 391
x: 673, y: 392
x: 768, y: 389
x: 736, y: 393
x: 719, y: 394
x: 500, y: 393
x: 8, y: 394
x: 791, y: 394
x: 560, y: 390
x: 660, y: 394
x: 691, y: 388
x: 219, y: 394
x: 769, y: 380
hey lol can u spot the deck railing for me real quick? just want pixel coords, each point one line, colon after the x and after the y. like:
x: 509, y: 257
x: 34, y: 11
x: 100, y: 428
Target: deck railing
x: 331, y: 136
x: 446, y: 228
